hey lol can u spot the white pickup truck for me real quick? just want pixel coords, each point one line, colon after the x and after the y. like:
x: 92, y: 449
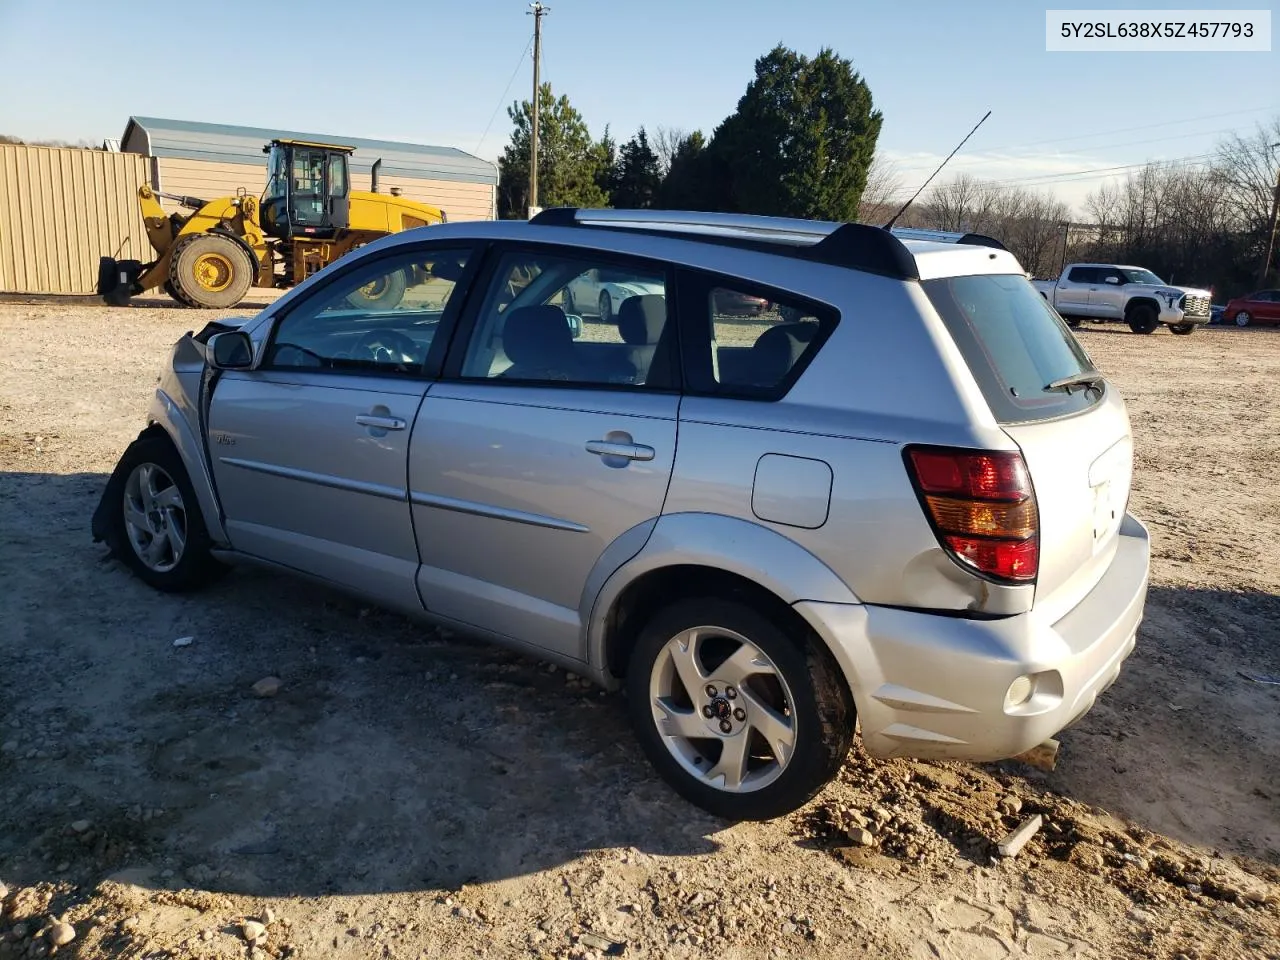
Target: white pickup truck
x: 1105, y: 291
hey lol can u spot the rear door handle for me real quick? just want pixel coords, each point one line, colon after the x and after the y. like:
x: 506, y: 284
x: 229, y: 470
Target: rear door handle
x: 625, y: 451
x: 380, y: 423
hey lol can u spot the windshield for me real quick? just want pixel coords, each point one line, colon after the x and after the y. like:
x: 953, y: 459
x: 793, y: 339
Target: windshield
x: 1015, y: 345
x: 276, y: 175
x: 1138, y: 275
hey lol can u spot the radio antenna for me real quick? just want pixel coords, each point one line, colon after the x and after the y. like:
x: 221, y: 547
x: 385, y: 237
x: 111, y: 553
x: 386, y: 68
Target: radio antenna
x: 895, y: 217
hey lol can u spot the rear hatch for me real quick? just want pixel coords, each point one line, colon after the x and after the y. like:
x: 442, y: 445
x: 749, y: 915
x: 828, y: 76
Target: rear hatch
x: 1075, y: 438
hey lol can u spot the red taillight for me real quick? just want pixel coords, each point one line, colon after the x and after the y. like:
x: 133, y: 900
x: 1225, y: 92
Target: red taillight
x: 983, y: 508
x: 1007, y: 559
x: 979, y: 476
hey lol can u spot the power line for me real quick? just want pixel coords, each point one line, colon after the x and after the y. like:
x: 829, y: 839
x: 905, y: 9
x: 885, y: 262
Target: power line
x: 993, y: 160
x: 1130, y: 129
x: 1100, y: 172
x: 506, y: 90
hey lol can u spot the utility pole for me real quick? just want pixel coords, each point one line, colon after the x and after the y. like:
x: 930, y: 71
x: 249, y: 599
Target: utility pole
x: 538, y: 11
x: 1271, y: 228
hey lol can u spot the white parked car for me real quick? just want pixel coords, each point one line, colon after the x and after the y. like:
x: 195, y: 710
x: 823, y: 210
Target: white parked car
x: 600, y: 293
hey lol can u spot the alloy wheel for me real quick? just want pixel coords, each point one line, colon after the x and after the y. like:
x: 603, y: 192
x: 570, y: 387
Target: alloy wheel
x: 155, y: 517
x: 723, y: 709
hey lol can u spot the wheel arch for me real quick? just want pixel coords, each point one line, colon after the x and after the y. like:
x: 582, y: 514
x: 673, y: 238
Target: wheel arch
x: 1137, y: 302
x: 167, y: 418
x: 696, y: 554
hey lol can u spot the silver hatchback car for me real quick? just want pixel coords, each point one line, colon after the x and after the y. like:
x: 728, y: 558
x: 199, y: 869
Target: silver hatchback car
x: 893, y: 497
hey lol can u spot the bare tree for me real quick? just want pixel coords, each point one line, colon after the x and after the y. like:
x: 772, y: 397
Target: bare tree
x: 883, y: 194
x: 665, y: 141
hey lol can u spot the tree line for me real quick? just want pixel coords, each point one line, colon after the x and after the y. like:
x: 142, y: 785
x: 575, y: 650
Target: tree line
x: 1194, y: 224
x: 802, y: 143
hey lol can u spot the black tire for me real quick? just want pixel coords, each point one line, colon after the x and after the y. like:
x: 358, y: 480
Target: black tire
x: 569, y: 305
x: 176, y: 294
x: 228, y: 261
x: 823, y: 707
x: 1142, y: 319
x: 383, y: 293
x: 605, y: 307
x: 196, y: 566
x: 1182, y: 329
x: 1072, y: 322
x: 1242, y: 319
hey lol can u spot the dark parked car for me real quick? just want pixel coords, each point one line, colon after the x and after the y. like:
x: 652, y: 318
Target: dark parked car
x: 732, y: 303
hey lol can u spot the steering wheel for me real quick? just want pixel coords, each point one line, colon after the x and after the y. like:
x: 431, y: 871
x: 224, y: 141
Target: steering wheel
x: 384, y: 345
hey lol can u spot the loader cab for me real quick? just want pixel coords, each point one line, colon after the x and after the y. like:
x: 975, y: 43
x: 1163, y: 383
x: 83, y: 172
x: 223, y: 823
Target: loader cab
x: 308, y: 189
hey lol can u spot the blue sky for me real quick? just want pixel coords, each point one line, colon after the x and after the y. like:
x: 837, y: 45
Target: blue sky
x: 434, y: 72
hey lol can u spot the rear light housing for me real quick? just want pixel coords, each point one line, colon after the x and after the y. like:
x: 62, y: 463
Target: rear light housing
x: 982, y: 508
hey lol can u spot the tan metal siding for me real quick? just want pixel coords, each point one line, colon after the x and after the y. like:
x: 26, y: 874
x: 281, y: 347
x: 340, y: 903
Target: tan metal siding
x: 60, y: 210
x: 457, y: 198
x: 206, y: 180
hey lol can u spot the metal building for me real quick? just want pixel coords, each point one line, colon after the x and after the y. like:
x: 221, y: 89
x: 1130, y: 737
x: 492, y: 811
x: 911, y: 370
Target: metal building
x: 212, y: 160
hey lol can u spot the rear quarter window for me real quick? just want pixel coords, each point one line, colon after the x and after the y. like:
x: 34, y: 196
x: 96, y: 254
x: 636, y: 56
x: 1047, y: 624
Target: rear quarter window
x: 1014, y: 344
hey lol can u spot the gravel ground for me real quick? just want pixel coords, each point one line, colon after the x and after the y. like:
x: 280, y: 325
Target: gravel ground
x: 409, y: 794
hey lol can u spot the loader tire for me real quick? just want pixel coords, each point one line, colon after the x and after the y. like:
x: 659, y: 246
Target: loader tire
x: 210, y: 271
x: 382, y: 293
x: 176, y: 294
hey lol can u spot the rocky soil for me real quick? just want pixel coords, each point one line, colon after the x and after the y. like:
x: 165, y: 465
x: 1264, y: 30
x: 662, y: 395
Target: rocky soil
x: 399, y: 792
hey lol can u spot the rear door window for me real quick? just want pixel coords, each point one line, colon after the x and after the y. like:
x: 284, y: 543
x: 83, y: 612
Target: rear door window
x: 1015, y: 345
x: 744, y: 340
x: 1083, y: 275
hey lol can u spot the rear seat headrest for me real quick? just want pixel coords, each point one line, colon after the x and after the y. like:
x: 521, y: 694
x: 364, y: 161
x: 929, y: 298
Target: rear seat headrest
x: 641, y: 318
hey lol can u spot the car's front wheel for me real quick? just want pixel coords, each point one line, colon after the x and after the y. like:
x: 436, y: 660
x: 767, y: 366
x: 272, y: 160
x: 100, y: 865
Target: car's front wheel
x: 605, y: 307
x: 1243, y: 319
x: 744, y: 717
x: 1143, y: 319
x: 160, y: 533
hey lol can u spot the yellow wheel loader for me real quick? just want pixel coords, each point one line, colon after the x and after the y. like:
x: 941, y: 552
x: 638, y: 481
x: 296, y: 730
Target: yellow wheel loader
x: 307, y: 218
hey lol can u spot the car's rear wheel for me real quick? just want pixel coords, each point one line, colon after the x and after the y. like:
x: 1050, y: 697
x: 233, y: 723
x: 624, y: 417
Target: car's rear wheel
x: 605, y: 307
x: 1143, y: 319
x: 160, y: 534
x: 743, y: 717
x: 1243, y: 319
x: 1182, y: 329
x: 570, y: 306
x: 1072, y: 322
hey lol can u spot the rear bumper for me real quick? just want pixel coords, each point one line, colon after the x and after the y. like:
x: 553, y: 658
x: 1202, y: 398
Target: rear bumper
x: 934, y: 686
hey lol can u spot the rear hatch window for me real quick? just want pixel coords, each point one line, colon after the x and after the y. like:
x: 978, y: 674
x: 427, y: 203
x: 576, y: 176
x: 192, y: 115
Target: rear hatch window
x: 1015, y: 345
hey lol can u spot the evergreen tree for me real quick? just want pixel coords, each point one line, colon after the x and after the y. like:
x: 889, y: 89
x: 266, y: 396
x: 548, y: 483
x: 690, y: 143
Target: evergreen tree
x: 801, y: 141
x: 569, y: 161
x: 639, y: 174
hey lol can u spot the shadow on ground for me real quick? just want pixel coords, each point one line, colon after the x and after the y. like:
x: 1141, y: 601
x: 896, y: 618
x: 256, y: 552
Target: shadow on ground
x: 394, y: 758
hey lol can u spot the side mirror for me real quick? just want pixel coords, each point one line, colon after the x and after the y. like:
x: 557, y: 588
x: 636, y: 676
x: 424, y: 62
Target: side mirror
x: 230, y: 350
x: 575, y: 325
x: 1112, y: 279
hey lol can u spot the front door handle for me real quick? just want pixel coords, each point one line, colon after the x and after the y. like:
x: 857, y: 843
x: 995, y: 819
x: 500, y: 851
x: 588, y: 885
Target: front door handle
x: 375, y: 422
x: 622, y: 451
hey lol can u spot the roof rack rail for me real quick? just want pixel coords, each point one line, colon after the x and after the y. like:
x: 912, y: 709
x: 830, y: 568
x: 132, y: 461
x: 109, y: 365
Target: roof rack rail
x: 854, y: 245
x: 947, y: 236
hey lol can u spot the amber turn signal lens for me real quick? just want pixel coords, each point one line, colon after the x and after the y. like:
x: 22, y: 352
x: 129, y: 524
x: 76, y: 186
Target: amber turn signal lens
x: 984, y: 519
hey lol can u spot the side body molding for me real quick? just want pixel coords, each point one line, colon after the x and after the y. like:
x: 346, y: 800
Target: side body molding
x: 742, y: 547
